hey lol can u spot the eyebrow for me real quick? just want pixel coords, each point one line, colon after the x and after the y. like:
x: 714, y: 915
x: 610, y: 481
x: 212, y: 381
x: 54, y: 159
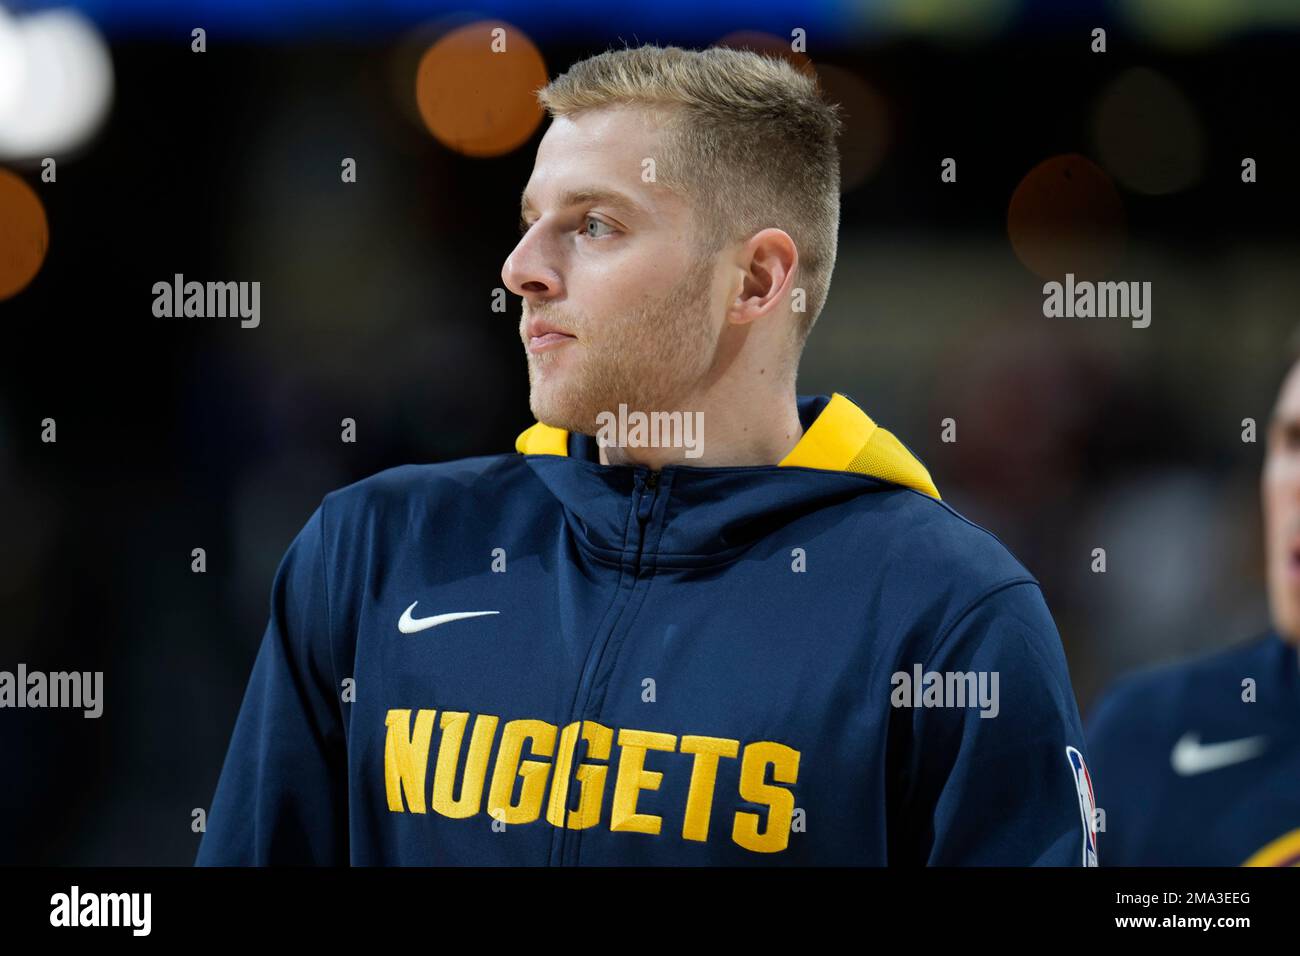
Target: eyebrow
x: 580, y: 197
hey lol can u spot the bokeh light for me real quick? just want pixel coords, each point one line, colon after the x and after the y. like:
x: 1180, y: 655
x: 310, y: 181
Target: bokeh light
x: 56, y: 83
x: 1067, y: 216
x: 24, y: 234
x: 1191, y: 24
x: 13, y: 62
x: 866, y: 134
x: 1148, y: 135
x: 476, y: 88
x: 950, y: 21
x: 769, y: 44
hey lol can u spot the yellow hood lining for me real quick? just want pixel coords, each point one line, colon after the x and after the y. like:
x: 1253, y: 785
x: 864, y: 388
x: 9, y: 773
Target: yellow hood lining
x: 842, y: 438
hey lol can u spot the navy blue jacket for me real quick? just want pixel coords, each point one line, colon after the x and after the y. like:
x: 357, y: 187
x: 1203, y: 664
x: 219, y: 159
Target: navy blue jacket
x: 1198, y: 763
x: 537, y: 659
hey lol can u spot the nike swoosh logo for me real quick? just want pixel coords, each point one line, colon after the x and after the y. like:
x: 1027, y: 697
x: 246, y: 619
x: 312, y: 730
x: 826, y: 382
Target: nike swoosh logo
x: 1191, y: 757
x: 413, y: 625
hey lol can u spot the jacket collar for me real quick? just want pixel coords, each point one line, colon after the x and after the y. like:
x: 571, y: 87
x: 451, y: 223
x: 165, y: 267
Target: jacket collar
x: 838, y: 436
x: 705, y: 516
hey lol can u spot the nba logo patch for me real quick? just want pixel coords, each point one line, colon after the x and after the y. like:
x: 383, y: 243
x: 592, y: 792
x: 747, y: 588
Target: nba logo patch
x: 1087, y: 804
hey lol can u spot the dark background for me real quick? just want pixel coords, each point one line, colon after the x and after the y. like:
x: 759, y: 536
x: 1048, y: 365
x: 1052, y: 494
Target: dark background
x: 376, y: 305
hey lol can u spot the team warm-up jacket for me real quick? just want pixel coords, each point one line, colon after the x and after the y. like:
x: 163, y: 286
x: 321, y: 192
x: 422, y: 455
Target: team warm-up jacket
x: 537, y: 659
x: 1198, y: 762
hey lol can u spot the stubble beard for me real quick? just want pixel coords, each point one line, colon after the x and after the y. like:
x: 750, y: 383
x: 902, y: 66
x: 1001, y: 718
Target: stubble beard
x: 651, y: 358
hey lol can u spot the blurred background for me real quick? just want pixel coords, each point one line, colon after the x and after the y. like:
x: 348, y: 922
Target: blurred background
x: 376, y: 304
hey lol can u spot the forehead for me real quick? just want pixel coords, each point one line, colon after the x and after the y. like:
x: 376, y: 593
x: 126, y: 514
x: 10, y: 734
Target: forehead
x: 599, y: 149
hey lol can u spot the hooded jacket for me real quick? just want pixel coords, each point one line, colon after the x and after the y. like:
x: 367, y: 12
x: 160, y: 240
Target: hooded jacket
x: 537, y: 659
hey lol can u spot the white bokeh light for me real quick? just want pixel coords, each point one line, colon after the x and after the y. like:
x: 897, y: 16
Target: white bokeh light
x: 56, y: 83
x: 13, y: 63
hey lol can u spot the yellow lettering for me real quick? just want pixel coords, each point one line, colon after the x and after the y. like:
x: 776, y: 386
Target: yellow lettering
x: 591, y: 776
x: 444, y: 777
x: 753, y: 771
x: 633, y: 778
x: 534, y: 772
x: 406, y: 757
x: 704, y: 776
x: 560, y: 781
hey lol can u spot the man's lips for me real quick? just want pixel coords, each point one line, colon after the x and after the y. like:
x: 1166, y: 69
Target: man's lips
x: 543, y: 335
x: 549, y: 340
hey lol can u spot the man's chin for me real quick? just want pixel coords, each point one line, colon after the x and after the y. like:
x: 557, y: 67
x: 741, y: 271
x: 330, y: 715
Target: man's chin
x: 550, y: 410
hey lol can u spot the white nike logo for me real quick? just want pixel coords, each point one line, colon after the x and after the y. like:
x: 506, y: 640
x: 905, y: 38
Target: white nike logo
x: 412, y: 625
x: 1191, y: 757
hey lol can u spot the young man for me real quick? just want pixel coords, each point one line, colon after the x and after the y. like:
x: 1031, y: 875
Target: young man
x: 1197, y: 763
x: 766, y: 642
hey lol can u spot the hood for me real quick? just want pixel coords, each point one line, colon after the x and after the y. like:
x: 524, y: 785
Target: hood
x: 729, y: 507
x: 838, y: 436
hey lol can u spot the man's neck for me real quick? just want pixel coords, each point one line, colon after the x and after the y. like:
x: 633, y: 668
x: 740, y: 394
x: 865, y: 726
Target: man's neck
x: 713, y: 434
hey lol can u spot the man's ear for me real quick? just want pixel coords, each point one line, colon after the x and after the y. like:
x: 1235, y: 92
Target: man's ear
x: 767, y: 264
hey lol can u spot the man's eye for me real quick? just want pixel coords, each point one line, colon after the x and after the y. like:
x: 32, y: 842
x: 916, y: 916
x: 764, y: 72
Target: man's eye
x: 1285, y: 437
x: 524, y: 225
x: 590, y: 221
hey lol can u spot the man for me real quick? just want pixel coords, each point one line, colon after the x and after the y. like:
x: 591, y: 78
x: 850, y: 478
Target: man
x: 1196, y: 763
x: 772, y: 645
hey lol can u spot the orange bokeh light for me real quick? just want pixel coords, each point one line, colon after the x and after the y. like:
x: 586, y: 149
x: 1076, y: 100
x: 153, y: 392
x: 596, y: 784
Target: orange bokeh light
x: 24, y: 234
x: 768, y: 44
x: 476, y: 88
x: 1067, y: 216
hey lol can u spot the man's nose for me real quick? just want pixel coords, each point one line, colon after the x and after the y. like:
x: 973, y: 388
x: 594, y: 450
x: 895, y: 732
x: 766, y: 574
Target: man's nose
x: 527, y: 271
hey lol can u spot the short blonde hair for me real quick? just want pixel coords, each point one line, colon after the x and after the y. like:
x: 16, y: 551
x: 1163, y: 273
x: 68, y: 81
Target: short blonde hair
x: 749, y: 141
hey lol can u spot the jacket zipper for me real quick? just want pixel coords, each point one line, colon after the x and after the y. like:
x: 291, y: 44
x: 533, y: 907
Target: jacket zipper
x: 645, y: 490
x: 644, y: 507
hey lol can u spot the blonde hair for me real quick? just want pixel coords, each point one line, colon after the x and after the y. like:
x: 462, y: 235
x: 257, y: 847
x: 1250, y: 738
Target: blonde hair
x: 748, y: 140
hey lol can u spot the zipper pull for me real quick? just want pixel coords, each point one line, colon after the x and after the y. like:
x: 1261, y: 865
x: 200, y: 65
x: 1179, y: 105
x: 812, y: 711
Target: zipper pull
x: 647, y: 501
